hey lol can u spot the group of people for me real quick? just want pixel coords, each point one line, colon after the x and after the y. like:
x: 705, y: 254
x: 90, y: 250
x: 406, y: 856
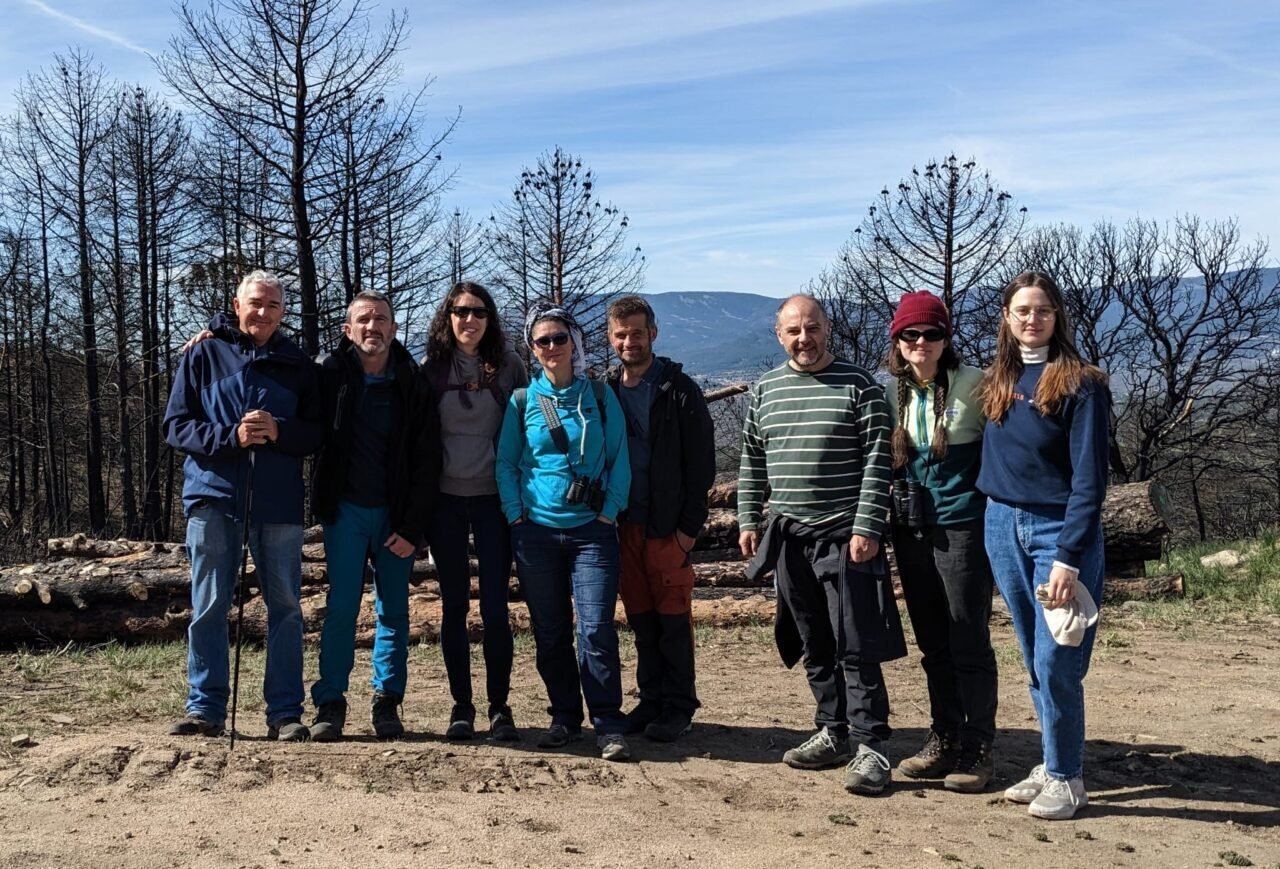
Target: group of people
x: 598, y: 489
x: 975, y: 477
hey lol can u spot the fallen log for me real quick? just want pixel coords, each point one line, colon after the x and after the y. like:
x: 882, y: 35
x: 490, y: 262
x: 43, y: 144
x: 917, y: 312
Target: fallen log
x: 1144, y: 588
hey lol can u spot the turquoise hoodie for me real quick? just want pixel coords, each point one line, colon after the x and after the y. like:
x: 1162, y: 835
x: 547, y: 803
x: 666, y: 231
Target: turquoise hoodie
x: 534, y: 476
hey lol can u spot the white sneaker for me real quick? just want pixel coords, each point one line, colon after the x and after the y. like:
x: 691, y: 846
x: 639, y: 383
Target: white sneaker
x: 1029, y: 788
x: 1059, y: 800
x: 613, y: 746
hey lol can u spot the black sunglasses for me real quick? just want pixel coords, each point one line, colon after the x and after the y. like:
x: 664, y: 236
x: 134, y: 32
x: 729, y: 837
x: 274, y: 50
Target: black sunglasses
x: 461, y: 311
x: 911, y: 336
x: 559, y: 339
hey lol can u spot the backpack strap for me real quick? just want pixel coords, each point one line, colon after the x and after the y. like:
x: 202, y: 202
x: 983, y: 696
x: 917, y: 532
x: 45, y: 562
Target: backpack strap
x: 521, y: 396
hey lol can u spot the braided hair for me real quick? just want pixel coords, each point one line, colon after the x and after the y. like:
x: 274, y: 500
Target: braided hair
x: 901, y: 371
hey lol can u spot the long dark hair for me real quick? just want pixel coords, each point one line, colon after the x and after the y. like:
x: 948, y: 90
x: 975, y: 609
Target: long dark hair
x: 440, y: 340
x: 1063, y: 375
x: 898, y: 367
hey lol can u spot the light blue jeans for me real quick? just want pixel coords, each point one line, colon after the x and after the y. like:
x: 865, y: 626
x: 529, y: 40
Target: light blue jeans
x: 355, y: 537
x: 213, y: 544
x: 1022, y: 542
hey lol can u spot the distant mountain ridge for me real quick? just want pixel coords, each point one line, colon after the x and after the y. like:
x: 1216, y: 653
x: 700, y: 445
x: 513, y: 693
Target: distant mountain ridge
x: 719, y: 336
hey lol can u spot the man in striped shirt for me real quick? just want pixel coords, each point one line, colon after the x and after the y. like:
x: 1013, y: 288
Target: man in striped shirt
x: 817, y: 434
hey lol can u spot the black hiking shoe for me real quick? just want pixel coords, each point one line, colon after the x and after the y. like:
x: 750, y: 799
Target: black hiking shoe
x: 194, y: 725
x: 502, y: 727
x: 973, y: 769
x: 288, y: 730
x: 669, y: 726
x: 462, y: 724
x: 386, y: 716
x: 645, y: 713
x: 331, y: 717
x: 559, y: 735
x: 935, y: 759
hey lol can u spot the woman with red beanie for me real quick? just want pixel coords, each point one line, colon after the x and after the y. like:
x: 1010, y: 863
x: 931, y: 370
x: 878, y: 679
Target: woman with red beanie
x: 938, y: 540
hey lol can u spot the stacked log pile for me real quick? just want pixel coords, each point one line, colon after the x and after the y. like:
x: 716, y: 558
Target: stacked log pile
x: 92, y: 590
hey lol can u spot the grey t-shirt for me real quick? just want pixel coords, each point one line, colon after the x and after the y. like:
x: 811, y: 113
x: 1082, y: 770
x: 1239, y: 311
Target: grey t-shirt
x: 469, y: 422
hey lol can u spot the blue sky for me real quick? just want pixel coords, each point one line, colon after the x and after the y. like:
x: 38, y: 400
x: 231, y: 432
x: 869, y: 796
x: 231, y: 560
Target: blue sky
x: 745, y: 139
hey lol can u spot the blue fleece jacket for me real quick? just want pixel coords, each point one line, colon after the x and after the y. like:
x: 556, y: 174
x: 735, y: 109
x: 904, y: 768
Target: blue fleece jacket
x: 534, y: 476
x: 1051, y: 461
x: 217, y: 382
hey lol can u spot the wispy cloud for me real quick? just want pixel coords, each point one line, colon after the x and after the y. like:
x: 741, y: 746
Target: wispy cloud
x: 87, y: 27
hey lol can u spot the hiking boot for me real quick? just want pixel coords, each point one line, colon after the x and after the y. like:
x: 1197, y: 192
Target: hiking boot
x: 194, y: 725
x: 669, y: 726
x: 645, y: 713
x: 1029, y: 788
x: 386, y: 716
x: 330, y: 718
x: 1059, y: 800
x: 288, y: 730
x: 868, y: 773
x: 973, y: 769
x: 613, y: 746
x: 502, y: 727
x: 936, y: 758
x: 819, y: 751
x: 559, y: 735
x: 462, y: 724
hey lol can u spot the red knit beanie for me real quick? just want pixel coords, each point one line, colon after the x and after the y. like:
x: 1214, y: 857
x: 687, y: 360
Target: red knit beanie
x: 921, y: 307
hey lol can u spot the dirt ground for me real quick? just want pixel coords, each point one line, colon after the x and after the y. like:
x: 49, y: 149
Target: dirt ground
x: 1182, y: 765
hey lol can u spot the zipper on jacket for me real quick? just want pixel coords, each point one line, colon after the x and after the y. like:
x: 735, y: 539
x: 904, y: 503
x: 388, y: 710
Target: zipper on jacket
x: 337, y: 413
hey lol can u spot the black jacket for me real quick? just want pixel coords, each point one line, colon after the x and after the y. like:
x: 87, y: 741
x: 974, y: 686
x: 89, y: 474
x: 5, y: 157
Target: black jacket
x: 683, y: 463
x: 413, y: 449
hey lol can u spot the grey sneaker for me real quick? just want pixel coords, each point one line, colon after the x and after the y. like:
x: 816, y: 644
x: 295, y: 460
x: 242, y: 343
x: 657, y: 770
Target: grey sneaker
x: 558, y: 736
x: 613, y: 746
x: 1059, y: 800
x: 330, y: 719
x: 819, y: 751
x: 868, y: 773
x: 1029, y: 788
x: 935, y: 759
x: 288, y: 730
x: 462, y: 724
x: 194, y: 725
x: 502, y: 727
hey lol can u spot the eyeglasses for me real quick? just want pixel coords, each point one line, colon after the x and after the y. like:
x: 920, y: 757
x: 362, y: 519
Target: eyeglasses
x: 911, y: 336
x: 1026, y: 315
x: 559, y: 339
x: 461, y: 312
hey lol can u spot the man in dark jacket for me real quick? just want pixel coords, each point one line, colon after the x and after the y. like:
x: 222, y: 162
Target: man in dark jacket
x: 244, y: 406
x: 671, y: 443
x: 374, y: 484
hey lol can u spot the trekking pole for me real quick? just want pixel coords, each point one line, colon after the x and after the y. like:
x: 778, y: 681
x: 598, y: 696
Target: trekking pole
x: 241, y: 593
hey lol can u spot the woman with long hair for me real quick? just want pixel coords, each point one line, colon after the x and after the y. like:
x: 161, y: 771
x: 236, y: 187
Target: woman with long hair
x: 1044, y: 469
x: 564, y: 475
x: 473, y: 372
x: 937, y: 533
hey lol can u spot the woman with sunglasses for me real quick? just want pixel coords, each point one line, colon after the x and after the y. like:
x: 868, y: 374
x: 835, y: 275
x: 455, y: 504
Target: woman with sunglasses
x: 564, y: 475
x: 937, y: 535
x: 473, y: 372
x: 1044, y: 468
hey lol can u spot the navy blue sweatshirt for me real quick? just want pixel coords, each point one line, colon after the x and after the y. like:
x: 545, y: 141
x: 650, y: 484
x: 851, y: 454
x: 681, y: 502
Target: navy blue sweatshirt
x: 1058, y: 460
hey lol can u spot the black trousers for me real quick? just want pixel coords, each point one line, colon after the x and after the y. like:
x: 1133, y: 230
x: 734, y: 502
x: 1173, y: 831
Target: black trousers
x: 947, y: 582
x: 851, y: 695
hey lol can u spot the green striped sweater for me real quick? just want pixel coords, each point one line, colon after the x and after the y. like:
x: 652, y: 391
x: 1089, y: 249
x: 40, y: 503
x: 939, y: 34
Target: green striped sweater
x: 820, y: 440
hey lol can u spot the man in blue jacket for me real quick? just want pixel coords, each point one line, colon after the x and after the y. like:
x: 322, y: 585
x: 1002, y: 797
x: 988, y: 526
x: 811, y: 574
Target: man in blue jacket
x: 245, y: 401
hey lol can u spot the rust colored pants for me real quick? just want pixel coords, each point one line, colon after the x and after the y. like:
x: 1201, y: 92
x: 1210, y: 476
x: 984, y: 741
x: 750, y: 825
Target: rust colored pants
x: 656, y: 586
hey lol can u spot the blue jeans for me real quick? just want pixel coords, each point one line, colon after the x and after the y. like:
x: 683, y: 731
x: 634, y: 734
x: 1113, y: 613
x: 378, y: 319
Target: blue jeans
x: 455, y: 517
x: 563, y: 569
x: 355, y: 537
x: 1022, y: 544
x: 213, y: 545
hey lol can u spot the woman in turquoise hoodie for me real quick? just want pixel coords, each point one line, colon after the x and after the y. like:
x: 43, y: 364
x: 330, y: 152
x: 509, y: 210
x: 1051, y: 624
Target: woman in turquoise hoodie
x: 563, y: 477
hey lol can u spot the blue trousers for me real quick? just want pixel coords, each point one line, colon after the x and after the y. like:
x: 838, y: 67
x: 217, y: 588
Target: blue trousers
x: 563, y: 569
x: 213, y: 545
x: 1022, y: 542
x: 353, y: 539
